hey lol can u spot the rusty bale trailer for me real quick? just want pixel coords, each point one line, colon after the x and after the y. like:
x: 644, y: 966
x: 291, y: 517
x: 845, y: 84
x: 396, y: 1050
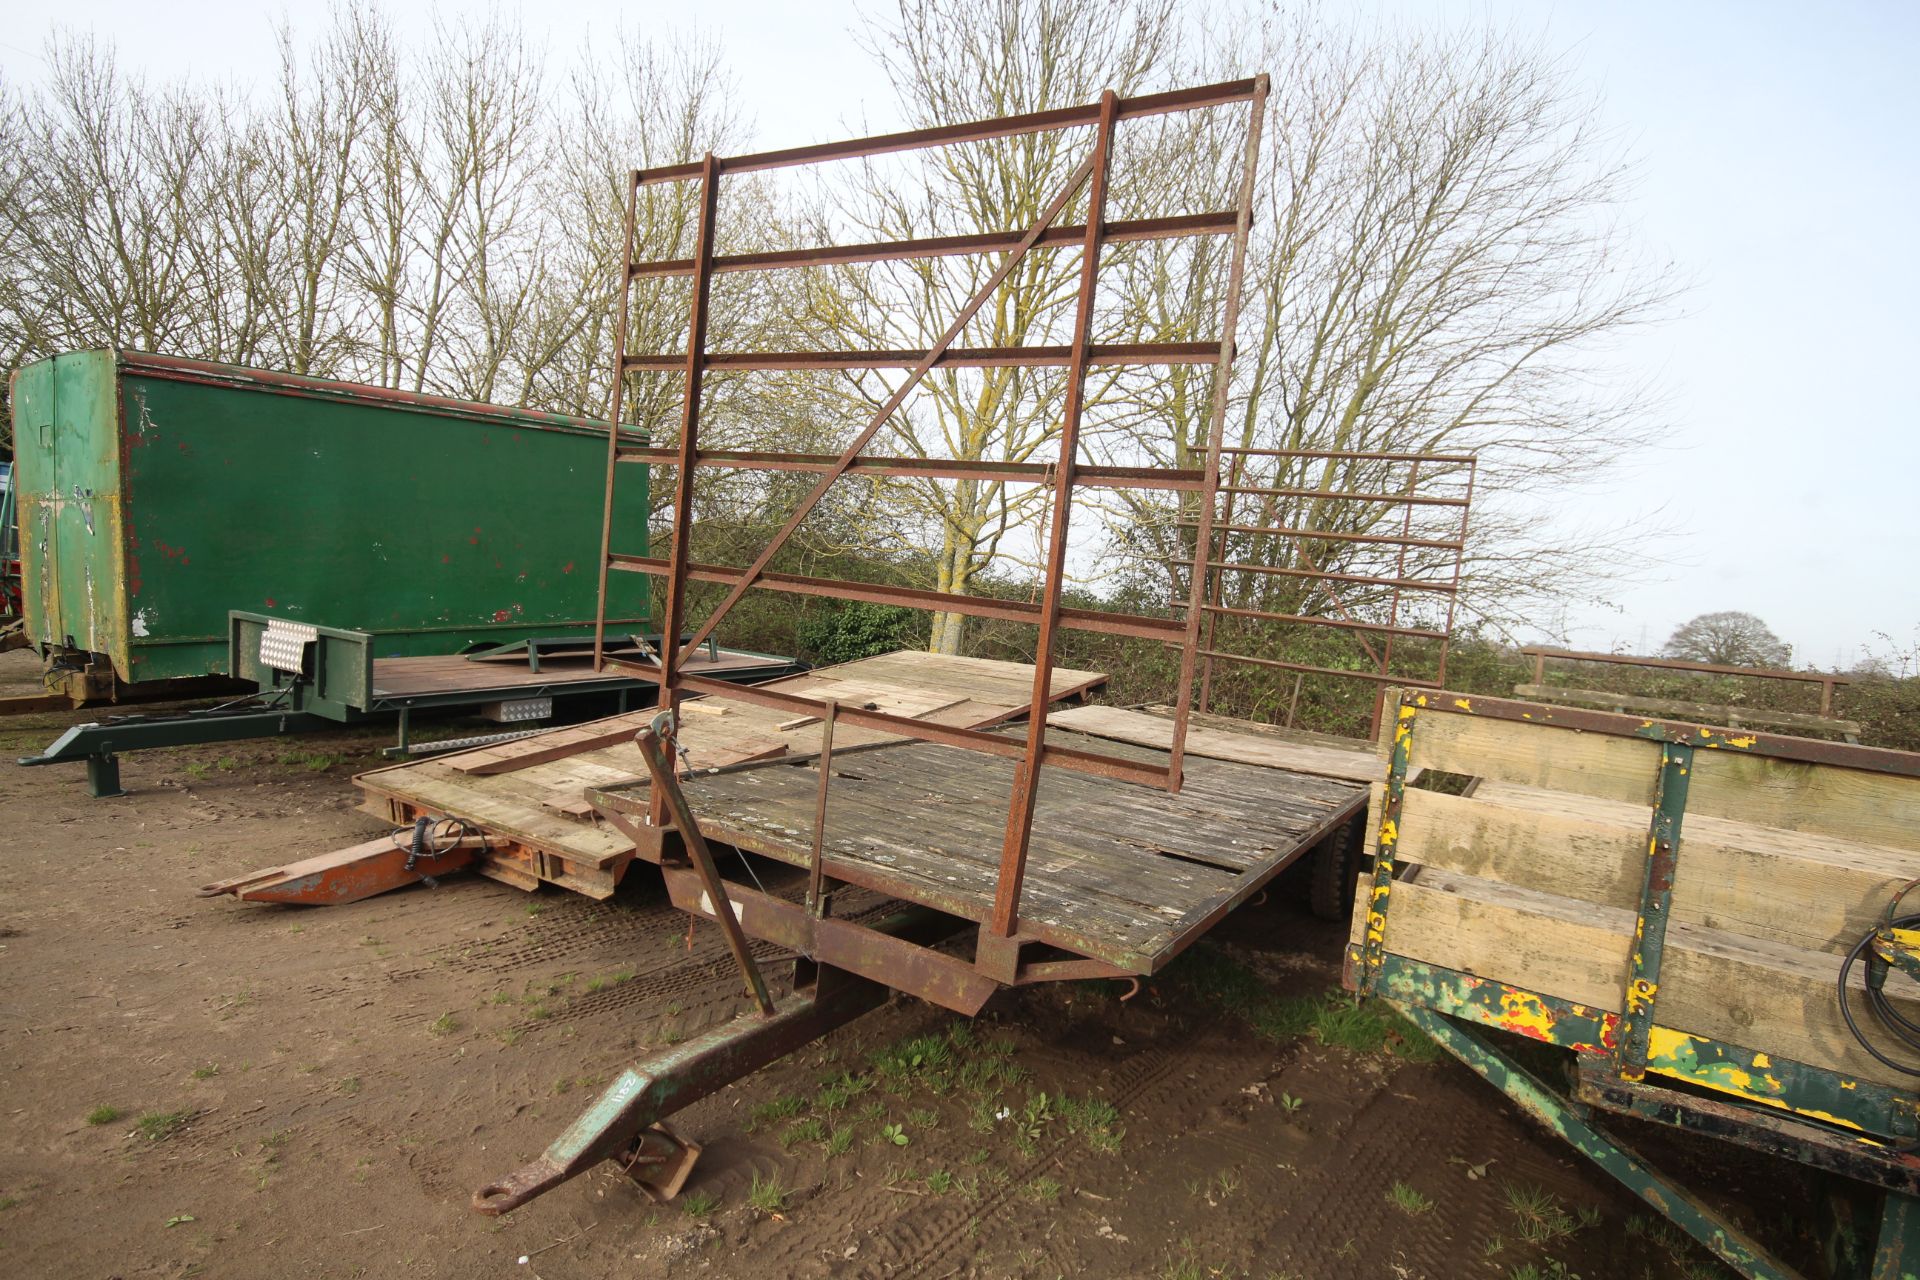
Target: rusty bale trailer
x: 156, y: 495
x: 1704, y: 921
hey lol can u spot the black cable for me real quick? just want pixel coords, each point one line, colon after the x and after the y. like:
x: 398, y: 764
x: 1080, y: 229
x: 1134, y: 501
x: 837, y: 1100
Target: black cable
x: 1904, y: 1029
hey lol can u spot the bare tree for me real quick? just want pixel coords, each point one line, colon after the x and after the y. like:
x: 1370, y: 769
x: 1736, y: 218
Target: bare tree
x: 1730, y: 638
x: 1438, y: 266
x: 953, y: 60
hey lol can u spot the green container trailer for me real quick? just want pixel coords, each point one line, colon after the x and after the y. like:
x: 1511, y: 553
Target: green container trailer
x: 157, y: 494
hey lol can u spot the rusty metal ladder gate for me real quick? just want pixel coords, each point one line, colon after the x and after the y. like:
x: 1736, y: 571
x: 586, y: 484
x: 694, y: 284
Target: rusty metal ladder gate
x: 846, y: 969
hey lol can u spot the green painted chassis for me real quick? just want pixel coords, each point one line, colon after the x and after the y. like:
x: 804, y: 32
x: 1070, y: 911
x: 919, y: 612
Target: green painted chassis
x: 1853, y: 1128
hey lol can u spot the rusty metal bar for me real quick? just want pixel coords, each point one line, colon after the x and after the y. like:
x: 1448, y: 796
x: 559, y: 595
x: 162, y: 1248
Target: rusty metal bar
x: 816, y: 901
x: 1382, y: 628
x: 1126, y: 231
x: 1216, y: 428
x: 1393, y: 499
x: 1459, y: 557
x: 666, y: 784
x: 1327, y: 575
x: 1420, y: 682
x: 915, y: 468
x: 1461, y: 459
x: 1679, y: 664
x: 1329, y: 535
x: 1213, y: 95
x: 615, y: 408
x: 1139, y: 626
x: 972, y: 306
x: 943, y: 357
x: 1026, y: 778
x: 1393, y: 609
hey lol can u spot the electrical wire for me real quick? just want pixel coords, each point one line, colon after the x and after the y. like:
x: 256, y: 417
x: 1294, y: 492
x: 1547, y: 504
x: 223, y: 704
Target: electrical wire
x: 1891, y: 1020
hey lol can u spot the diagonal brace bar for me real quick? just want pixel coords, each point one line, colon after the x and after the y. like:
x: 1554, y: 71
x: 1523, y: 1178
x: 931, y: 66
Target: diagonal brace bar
x: 1071, y: 188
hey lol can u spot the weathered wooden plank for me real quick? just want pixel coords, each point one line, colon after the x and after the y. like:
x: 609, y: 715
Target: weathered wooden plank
x: 1762, y: 996
x: 1875, y: 808
x: 1706, y: 713
x: 1138, y: 727
x: 1536, y: 755
x: 542, y: 748
x: 1810, y: 892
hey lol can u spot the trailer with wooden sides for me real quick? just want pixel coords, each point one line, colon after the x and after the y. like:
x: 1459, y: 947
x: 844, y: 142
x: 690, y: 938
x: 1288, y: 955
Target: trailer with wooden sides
x: 1704, y: 920
x: 155, y: 495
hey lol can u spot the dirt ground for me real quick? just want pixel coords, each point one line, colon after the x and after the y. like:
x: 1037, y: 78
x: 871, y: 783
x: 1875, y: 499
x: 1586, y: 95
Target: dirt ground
x: 209, y: 1088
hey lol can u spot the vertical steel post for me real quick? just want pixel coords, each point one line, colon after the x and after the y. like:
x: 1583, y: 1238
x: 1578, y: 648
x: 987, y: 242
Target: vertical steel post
x: 1026, y: 778
x: 1393, y: 607
x: 1656, y: 901
x: 615, y: 407
x: 689, y: 446
x: 1375, y: 949
x: 1453, y: 597
x: 1216, y: 428
x: 816, y: 897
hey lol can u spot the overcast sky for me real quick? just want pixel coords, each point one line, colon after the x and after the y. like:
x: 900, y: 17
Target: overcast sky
x: 1779, y: 148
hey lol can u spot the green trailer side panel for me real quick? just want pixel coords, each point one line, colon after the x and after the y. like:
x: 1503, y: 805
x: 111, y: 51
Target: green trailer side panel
x: 175, y: 492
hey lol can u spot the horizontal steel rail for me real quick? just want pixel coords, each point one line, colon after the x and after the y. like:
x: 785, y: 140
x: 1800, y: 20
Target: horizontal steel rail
x: 1382, y: 628
x: 1138, y: 626
x: 1038, y: 357
x: 1122, y: 232
x: 1307, y: 668
x: 1214, y: 95
x: 917, y: 468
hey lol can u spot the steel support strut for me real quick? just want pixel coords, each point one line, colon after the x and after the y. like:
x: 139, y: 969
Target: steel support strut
x: 1732, y: 1245
x: 621, y: 1124
x: 652, y: 742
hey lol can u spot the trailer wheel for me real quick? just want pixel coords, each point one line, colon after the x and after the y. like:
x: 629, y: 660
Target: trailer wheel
x: 1336, y: 864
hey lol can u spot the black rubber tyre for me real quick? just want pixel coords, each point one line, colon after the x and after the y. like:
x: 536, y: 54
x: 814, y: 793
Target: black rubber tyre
x: 1336, y: 864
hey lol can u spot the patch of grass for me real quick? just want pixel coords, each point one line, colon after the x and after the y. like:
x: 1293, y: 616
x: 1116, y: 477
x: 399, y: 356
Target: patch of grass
x: 158, y: 1125
x: 207, y: 1072
x: 445, y: 1025
x: 836, y: 1092
x: 8, y: 1202
x: 198, y: 769
x: 1407, y: 1200
x: 940, y: 1181
x: 1540, y: 1217
x: 1094, y: 1119
x: 609, y: 980
x: 1045, y: 1189
x: 840, y: 1141
x: 766, y: 1194
x: 699, y: 1204
x: 812, y: 1129
x: 923, y: 1118
x: 104, y: 1115
x: 226, y: 764
x: 535, y: 908
x: 511, y: 1036
x: 350, y: 1086
x: 784, y: 1107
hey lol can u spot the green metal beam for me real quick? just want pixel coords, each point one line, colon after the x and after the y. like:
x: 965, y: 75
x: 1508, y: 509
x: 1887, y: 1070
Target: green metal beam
x: 1731, y: 1245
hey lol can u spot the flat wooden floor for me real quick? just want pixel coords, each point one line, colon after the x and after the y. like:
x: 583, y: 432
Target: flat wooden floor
x: 451, y: 673
x: 1116, y: 871
x: 542, y: 806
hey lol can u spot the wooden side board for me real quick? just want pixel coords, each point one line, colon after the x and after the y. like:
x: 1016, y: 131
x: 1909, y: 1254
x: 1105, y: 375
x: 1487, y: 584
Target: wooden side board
x: 1119, y: 724
x: 1533, y: 878
x: 1740, y: 990
x: 1816, y: 893
x: 1822, y: 799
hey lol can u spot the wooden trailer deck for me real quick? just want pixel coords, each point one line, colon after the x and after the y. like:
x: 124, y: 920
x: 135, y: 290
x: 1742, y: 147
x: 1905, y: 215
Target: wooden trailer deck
x: 1116, y: 871
x: 528, y: 795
